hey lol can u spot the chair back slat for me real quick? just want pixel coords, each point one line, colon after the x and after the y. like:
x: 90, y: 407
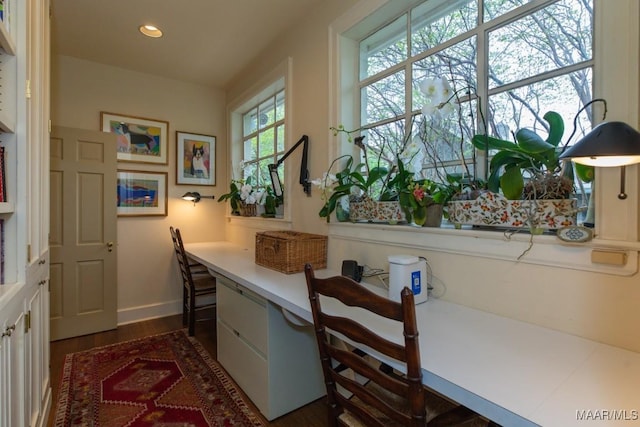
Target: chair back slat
x: 363, y: 335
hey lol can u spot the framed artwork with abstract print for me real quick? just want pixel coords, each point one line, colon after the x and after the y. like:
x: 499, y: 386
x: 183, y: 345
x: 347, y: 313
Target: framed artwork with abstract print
x: 140, y: 140
x: 141, y: 193
x: 195, y: 159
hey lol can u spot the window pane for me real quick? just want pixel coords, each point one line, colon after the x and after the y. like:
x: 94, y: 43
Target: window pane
x: 495, y: 8
x: 266, y: 113
x: 384, y: 99
x: 280, y: 106
x: 457, y: 64
x: 249, y: 172
x: 384, y: 143
x: 524, y: 107
x: 383, y: 49
x: 266, y: 143
x: 280, y: 139
x: 250, y: 122
x: 448, y: 138
x: 431, y: 26
x: 540, y: 42
x: 250, y: 149
x: 263, y: 178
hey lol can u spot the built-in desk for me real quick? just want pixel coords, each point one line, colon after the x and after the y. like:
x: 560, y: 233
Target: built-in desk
x: 512, y: 372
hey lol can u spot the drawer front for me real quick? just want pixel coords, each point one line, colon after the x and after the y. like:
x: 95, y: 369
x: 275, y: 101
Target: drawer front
x: 245, y: 313
x: 245, y: 365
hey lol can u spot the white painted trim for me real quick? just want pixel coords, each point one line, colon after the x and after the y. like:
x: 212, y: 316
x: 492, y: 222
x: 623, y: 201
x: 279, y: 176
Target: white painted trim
x: 259, y: 223
x: 148, y: 312
x: 546, y: 250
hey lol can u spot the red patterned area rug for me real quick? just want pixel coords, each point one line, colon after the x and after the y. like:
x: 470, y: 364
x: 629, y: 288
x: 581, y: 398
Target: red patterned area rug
x: 162, y: 380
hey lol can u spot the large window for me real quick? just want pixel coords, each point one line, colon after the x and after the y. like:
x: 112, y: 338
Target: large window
x: 505, y: 63
x: 263, y: 138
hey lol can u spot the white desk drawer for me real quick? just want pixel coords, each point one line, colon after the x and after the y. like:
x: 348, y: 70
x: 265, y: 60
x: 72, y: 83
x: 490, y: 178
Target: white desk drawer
x: 245, y: 313
x: 245, y: 365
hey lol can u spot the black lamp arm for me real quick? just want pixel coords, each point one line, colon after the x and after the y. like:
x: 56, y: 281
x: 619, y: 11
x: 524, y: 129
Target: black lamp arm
x: 304, y: 171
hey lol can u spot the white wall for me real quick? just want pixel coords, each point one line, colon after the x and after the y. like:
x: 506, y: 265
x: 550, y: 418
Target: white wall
x: 148, y: 283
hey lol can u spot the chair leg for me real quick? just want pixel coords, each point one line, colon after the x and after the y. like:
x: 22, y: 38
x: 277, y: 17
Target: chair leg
x: 185, y: 311
x: 192, y: 314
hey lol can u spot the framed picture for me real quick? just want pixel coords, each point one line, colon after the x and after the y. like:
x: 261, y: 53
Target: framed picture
x: 139, y: 140
x: 196, y: 159
x: 142, y: 193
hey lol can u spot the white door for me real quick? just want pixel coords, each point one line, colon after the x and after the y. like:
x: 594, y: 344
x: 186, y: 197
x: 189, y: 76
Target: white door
x: 83, y: 232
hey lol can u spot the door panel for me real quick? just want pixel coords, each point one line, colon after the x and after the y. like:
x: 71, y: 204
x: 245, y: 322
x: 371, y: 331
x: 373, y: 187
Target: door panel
x: 83, y: 232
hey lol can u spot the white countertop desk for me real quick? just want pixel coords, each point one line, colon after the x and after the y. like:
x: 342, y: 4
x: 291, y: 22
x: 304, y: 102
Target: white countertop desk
x: 515, y: 373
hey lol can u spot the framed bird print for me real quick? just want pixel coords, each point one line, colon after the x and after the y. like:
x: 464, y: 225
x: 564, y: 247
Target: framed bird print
x: 139, y: 139
x: 195, y: 159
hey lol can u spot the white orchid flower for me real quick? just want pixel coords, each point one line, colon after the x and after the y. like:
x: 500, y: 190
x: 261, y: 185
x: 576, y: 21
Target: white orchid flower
x: 431, y: 88
x: 412, y: 156
x: 326, y: 182
x: 245, y: 192
x: 446, y: 90
x: 440, y: 99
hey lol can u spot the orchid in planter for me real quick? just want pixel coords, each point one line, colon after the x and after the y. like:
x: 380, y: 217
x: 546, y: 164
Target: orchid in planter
x: 423, y: 201
x: 349, y: 181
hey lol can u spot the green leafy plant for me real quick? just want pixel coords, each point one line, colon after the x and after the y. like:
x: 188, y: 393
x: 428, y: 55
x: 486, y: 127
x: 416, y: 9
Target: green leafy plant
x: 271, y: 203
x: 348, y: 179
x: 424, y: 193
x: 529, y: 156
x: 233, y: 196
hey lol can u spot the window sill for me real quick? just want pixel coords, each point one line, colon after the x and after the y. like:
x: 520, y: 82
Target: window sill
x: 545, y: 250
x: 259, y: 222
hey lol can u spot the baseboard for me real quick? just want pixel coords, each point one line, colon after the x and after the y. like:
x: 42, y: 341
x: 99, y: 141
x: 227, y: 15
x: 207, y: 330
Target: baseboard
x: 147, y: 312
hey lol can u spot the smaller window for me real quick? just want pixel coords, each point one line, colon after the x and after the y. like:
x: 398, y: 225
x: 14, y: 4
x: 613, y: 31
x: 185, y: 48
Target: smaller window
x: 263, y: 138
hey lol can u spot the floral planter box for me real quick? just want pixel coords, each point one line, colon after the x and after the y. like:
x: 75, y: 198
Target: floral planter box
x: 373, y: 211
x: 492, y: 209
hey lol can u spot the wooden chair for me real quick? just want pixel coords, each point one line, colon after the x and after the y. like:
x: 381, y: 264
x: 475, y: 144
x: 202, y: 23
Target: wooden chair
x: 373, y: 394
x: 196, y: 282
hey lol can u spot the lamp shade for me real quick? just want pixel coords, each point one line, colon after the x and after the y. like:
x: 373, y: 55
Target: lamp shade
x: 608, y: 144
x: 192, y: 196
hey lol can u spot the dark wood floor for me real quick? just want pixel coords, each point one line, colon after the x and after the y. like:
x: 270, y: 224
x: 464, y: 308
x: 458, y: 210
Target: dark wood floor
x: 312, y: 415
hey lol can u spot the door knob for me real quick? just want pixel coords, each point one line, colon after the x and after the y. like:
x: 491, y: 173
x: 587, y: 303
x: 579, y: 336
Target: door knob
x: 110, y: 246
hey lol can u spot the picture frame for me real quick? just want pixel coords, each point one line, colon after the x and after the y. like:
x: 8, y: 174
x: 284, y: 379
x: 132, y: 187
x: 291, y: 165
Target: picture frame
x: 202, y: 148
x: 140, y: 140
x: 141, y: 193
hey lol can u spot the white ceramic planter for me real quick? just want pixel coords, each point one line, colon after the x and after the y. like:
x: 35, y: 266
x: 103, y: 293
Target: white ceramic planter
x: 495, y: 210
x: 374, y: 211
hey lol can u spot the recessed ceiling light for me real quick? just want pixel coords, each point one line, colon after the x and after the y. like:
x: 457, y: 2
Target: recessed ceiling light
x: 150, y: 31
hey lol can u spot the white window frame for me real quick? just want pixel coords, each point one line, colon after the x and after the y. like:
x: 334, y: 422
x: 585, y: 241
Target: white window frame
x: 273, y: 82
x: 616, y: 70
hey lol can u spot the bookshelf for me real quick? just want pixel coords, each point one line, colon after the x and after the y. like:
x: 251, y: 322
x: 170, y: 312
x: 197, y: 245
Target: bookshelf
x: 9, y: 140
x: 24, y: 137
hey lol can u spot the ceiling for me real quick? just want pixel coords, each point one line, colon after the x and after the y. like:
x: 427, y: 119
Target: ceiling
x: 205, y: 41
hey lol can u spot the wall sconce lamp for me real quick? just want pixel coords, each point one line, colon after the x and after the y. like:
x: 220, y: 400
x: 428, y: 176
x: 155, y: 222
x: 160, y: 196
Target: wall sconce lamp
x: 609, y: 144
x: 304, y: 172
x: 194, y: 196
